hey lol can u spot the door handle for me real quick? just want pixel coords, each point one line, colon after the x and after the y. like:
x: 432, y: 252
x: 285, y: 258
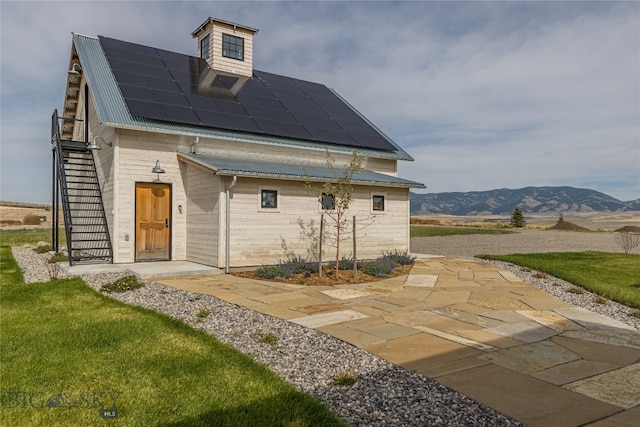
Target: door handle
x: 166, y: 223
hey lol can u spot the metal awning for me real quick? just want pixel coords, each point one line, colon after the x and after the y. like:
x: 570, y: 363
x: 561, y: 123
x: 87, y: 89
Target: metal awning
x: 233, y: 166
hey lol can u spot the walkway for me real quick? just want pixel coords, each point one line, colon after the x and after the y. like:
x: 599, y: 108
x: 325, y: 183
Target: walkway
x: 476, y: 329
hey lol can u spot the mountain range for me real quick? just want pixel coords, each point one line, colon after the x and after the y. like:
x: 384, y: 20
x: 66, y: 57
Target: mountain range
x: 543, y: 200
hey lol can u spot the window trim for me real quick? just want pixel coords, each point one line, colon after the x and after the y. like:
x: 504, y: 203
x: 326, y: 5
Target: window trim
x: 261, y: 207
x: 384, y: 203
x: 231, y: 47
x: 205, y: 53
x: 333, y: 202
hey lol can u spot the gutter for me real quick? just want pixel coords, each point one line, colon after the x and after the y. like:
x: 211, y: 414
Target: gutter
x: 227, y: 230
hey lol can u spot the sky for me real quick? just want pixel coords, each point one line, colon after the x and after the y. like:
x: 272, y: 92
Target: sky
x: 483, y: 95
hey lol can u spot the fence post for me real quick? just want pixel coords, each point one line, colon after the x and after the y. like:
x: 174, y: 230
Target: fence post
x: 355, y: 258
x: 320, y: 245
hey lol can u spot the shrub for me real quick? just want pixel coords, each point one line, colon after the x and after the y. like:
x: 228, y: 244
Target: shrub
x: 344, y: 379
x: 346, y: 263
x: 124, y: 284
x: 42, y: 249
x: 58, y: 257
x: 380, y: 267
x: 31, y: 220
x: 400, y: 258
x: 271, y: 272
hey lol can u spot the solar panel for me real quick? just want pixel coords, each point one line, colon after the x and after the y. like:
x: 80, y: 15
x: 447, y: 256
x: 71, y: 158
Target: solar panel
x: 167, y: 86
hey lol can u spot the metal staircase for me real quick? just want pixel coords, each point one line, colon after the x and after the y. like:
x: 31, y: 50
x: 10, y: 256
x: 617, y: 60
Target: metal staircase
x: 76, y: 179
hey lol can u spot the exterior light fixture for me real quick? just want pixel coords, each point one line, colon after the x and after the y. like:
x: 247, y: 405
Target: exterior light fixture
x: 157, y: 168
x: 74, y: 69
x: 94, y: 145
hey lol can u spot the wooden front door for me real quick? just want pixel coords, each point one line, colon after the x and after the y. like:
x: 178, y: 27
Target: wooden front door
x: 153, y: 222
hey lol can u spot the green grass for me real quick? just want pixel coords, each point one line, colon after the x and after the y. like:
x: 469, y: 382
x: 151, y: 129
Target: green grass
x: 611, y: 275
x: 63, y: 340
x: 431, y: 231
x: 33, y: 235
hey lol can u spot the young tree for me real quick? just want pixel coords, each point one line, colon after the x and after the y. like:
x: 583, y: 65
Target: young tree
x: 627, y: 240
x: 517, y: 218
x: 336, y: 195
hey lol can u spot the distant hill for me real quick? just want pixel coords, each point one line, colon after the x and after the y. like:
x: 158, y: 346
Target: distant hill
x: 544, y: 200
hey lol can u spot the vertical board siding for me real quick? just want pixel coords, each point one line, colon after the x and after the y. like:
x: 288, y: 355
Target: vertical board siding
x: 203, y: 213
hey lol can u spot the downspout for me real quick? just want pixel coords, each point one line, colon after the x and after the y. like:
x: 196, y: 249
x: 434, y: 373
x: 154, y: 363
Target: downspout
x: 227, y: 231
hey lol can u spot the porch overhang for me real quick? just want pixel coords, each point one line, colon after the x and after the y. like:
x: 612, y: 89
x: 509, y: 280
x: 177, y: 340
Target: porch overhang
x: 233, y: 166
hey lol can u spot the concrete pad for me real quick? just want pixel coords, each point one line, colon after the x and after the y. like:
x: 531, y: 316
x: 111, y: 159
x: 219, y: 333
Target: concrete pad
x: 599, y: 352
x: 324, y: 319
x: 343, y: 294
x: 591, y: 320
x: 352, y: 336
x: 531, y: 358
x: 529, y: 400
x: 456, y: 338
x: 421, y: 280
x: 628, y: 418
x: 551, y: 320
x: 573, y: 371
x: 526, y: 331
x: 621, y: 337
x: 419, y: 352
x: 620, y: 387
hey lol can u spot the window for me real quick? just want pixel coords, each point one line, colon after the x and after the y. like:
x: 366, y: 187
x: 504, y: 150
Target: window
x: 232, y: 47
x: 328, y: 201
x: 269, y: 199
x: 378, y: 203
x: 204, y: 47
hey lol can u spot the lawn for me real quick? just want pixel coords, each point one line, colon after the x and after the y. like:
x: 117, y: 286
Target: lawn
x: 612, y: 275
x: 71, y: 356
x: 18, y: 237
x: 431, y: 231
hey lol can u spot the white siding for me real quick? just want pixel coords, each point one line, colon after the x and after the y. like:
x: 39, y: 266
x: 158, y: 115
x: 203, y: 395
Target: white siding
x: 203, y: 215
x: 260, y: 236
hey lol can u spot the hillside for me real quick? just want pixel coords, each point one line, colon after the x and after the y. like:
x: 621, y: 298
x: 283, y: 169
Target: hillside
x: 540, y: 200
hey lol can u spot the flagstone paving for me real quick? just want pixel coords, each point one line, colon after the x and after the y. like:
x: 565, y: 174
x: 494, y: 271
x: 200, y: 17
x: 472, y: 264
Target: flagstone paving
x: 475, y: 328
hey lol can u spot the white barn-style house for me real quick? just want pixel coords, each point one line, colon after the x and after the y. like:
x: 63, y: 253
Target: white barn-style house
x: 164, y: 156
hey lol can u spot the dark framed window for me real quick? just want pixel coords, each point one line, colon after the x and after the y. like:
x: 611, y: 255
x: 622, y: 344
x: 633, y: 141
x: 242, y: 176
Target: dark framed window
x: 232, y: 47
x: 378, y: 203
x: 205, y: 46
x: 328, y: 201
x: 269, y: 199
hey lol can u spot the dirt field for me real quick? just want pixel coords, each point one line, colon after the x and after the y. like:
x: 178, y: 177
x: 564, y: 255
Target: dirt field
x: 8, y: 213
x: 524, y: 241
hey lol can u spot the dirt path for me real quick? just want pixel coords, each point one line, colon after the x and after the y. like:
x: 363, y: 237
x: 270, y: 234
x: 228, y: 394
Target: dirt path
x: 524, y: 241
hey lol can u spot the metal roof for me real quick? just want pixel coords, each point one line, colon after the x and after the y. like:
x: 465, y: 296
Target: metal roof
x: 112, y: 110
x: 230, y: 166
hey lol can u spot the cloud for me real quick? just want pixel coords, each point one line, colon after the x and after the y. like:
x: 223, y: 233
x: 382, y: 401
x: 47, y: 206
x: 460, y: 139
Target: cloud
x: 482, y: 94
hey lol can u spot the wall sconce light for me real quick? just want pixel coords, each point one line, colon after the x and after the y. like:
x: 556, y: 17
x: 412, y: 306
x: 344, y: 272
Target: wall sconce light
x: 74, y: 69
x: 94, y: 145
x: 157, y: 168
x: 180, y: 208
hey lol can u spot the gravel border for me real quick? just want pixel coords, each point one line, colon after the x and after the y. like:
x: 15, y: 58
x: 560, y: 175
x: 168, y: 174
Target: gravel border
x: 383, y: 395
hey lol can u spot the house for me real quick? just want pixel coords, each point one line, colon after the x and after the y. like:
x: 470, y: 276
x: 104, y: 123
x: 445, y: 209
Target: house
x: 164, y: 156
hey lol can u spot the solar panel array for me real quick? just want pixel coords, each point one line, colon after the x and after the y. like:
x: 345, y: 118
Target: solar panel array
x: 161, y: 85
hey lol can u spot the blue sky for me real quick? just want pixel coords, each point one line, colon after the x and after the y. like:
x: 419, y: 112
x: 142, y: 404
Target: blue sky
x: 483, y: 95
